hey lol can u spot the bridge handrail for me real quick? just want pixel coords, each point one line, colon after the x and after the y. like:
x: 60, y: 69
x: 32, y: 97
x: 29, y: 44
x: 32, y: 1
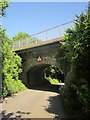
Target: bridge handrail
x: 41, y: 43
x: 40, y: 37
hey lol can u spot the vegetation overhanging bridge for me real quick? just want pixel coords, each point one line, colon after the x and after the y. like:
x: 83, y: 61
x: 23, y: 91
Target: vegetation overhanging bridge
x: 39, y: 52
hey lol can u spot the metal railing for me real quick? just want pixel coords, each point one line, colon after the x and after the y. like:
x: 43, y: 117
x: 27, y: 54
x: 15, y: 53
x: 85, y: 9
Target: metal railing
x: 48, y: 34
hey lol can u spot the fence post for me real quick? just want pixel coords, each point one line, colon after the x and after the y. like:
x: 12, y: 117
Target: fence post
x: 46, y: 36
x: 36, y: 39
x: 60, y: 31
x: 26, y: 41
x: 19, y: 43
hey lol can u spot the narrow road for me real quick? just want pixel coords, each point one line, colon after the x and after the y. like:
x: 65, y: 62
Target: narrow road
x: 33, y: 104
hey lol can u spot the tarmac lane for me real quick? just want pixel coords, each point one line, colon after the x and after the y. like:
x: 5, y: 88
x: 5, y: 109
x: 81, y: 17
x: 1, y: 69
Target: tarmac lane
x: 32, y: 103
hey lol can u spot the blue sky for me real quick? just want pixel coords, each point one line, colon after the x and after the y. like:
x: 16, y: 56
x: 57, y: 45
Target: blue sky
x: 33, y: 17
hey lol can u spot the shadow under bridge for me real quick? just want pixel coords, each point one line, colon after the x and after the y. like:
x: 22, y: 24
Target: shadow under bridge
x: 35, y: 75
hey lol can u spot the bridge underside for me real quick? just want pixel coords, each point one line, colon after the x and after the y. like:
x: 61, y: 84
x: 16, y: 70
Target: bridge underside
x: 35, y: 75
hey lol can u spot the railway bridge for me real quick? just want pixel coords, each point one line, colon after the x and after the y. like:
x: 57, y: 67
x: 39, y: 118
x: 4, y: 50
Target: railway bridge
x: 40, y: 54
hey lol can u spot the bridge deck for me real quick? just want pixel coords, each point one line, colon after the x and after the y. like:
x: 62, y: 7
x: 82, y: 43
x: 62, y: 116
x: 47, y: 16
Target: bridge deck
x: 39, y: 44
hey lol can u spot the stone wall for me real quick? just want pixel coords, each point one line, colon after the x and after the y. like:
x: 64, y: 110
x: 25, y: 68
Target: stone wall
x: 41, y: 56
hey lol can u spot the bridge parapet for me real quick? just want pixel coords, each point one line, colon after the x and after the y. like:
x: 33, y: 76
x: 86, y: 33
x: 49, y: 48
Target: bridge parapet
x: 39, y: 44
x: 45, y: 37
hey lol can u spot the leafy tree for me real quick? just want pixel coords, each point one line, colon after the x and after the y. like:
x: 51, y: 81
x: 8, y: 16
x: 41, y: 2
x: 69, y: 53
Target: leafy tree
x: 3, y: 6
x: 20, y: 36
x: 25, y: 39
x: 11, y: 68
x: 74, y: 59
x: 10, y: 62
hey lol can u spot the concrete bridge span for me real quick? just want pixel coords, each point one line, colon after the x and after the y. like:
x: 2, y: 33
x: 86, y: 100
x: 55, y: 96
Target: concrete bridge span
x: 36, y: 58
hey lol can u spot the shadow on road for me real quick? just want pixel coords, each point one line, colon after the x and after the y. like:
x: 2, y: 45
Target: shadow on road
x: 56, y: 107
x: 9, y: 116
x: 51, y: 88
x: 19, y: 117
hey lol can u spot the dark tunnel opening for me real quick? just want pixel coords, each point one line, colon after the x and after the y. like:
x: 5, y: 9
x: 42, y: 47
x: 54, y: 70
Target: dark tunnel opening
x: 35, y: 76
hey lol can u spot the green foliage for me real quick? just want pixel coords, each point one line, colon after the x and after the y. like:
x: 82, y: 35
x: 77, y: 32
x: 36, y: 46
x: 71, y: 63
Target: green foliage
x: 23, y: 39
x: 52, y: 80
x: 3, y: 6
x: 62, y: 59
x: 12, y: 86
x: 74, y: 60
x: 24, y: 36
x: 20, y: 36
x: 11, y: 68
x: 53, y: 74
x: 9, y: 61
x: 49, y: 71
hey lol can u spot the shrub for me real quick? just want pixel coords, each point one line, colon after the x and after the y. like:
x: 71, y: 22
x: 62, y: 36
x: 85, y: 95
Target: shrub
x: 11, y: 68
x: 76, y: 48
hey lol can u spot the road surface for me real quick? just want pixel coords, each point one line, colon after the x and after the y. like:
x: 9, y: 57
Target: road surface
x: 33, y: 104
